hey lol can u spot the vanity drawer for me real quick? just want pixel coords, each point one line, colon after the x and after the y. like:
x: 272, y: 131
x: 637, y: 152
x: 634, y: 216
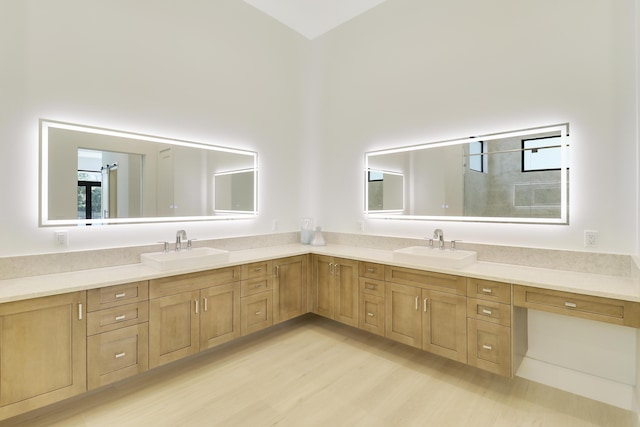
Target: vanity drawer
x: 257, y: 269
x: 489, y: 347
x: 489, y: 290
x: 255, y: 286
x: 427, y: 280
x: 371, y: 316
x: 190, y: 282
x: 371, y: 270
x: 256, y: 312
x: 372, y: 287
x: 116, y: 355
x: 585, y: 306
x: 489, y: 311
x: 112, y: 296
x: 117, y: 317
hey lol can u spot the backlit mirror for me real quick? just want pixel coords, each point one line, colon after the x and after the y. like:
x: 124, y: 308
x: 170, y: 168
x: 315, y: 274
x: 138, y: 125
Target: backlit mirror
x: 93, y: 176
x: 516, y: 176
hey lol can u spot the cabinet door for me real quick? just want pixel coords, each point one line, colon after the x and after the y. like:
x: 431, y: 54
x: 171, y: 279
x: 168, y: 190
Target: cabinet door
x: 323, y: 269
x: 346, y: 291
x: 42, y: 351
x: 173, y: 327
x: 290, y: 290
x: 444, y: 324
x: 403, y: 317
x: 219, y: 315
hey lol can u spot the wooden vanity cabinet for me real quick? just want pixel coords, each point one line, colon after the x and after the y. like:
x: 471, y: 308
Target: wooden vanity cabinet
x: 42, y: 351
x: 256, y: 297
x: 335, y: 289
x: 490, y: 339
x: 117, y: 333
x: 290, y: 282
x: 372, y: 291
x: 428, y: 311
x: 192, y: 312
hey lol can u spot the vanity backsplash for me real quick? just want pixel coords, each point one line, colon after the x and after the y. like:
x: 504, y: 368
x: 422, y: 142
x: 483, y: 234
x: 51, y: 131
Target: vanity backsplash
x: 61, y: 262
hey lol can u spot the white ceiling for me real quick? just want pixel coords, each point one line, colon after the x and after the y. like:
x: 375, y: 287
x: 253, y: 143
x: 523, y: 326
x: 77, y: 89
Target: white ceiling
x: 312, y: 18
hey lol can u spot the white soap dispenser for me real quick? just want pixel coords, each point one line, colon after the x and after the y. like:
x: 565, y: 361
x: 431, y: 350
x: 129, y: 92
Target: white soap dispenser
x: 318, y: 240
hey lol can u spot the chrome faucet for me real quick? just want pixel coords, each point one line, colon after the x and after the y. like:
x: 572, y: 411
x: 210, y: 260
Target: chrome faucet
x: 438, y: 234
x: 180, y: 236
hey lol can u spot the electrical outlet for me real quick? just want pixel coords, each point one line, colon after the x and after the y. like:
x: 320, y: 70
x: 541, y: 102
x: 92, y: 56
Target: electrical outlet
x: 61, y: 238
x: 590, y: 238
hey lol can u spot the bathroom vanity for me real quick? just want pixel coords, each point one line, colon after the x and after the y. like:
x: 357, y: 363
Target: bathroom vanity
x: 64, y: 334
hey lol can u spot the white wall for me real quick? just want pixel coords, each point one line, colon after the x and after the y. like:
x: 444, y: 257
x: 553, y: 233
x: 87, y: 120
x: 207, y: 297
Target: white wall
x: 412, y: 71
x: 213, y: 72
x: 407, y: 71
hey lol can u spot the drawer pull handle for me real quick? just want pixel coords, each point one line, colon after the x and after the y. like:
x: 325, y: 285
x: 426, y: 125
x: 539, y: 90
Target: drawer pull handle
x: 424, y: 305
x: 487, y: 347
x: 258, y: 285
x: 258, y: 313
x: 258, y: 269
x: 487, y: 290
x: 371, y: 270
x: 370, y: 314
x: 121, y: 295
x: 119, y: 355
x: 487, y: 312
x: 121, y: 317
x: 570, y: 304
x: 370, y: 287
x: 417, y: 298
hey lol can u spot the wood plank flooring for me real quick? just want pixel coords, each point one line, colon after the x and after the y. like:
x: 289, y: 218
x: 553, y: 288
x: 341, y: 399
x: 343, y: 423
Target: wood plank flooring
x: 314, y: 372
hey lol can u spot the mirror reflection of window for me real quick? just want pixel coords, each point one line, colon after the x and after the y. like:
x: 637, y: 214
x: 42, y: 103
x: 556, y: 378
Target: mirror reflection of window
x: 541, y: 154
x: 89, y: 194
x: 476, y: 156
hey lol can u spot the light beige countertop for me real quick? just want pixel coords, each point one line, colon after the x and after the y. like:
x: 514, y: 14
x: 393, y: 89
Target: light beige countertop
x: 624, y: 288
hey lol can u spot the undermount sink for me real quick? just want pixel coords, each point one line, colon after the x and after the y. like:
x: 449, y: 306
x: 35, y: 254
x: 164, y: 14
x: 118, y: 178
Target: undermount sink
x: 424, y: 255
x: 198, y: 257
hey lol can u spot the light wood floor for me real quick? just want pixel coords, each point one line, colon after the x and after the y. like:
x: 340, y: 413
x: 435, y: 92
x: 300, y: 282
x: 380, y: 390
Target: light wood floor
x: 314, y: 372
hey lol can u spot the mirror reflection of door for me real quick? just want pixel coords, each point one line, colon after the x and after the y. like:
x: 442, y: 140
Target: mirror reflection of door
x: 109, y: 184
